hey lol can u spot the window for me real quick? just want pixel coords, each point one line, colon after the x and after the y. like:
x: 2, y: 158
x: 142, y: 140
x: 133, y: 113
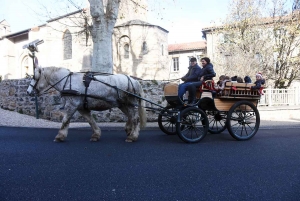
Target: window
x: 126, y: 51
x: 67, y: 39
x: 162, y: 50
x: 4, y: 30
x: 225, y: 38
x: 175, y: 64
x: 145, y: 48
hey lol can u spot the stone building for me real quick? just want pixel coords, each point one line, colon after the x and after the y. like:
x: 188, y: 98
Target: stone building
x: 139, y: 48
x: 180, y: 54
x: 142, y: 50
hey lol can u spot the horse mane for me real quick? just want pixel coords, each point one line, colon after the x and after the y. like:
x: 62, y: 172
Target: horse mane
x: 48, y: 71
x: 53, y: 69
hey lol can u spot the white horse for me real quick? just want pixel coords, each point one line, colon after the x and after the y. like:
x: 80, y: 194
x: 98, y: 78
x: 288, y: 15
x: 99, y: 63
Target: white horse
x: 104, y: 92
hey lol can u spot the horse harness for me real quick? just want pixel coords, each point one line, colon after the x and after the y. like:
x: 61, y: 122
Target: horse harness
x: 87, y: 78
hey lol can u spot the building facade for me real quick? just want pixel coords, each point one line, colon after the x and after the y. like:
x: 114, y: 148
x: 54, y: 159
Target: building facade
x: 139, y: 48
x: 180, y: 54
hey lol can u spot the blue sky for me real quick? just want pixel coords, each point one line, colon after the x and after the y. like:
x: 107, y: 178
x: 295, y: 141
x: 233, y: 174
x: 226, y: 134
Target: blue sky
x: 184, y: 19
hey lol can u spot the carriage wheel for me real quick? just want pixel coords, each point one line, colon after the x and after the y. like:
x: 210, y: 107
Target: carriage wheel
x: 217, y: 121
x: 243, y: 120
x: 167, y: 120
x: 192, y: 126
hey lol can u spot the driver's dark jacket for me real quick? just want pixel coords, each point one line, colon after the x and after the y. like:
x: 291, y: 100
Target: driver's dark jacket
x: 193, y: 74
x: 207, y: 72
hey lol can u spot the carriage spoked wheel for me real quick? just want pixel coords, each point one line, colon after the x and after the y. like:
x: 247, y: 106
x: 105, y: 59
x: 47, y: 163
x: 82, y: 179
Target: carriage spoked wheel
x: 243, y: 120
x: 167, y: 120
x: 193, y: 125
x: 217, y: 121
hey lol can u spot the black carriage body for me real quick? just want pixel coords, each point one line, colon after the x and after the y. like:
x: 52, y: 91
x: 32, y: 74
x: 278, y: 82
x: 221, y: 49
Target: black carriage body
x: 234, y: 109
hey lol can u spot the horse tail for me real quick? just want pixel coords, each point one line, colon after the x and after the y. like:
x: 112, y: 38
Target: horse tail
x: 142, y: 110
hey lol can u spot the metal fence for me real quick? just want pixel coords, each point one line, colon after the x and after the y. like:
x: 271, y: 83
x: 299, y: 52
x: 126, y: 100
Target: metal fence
x: 277, y: 97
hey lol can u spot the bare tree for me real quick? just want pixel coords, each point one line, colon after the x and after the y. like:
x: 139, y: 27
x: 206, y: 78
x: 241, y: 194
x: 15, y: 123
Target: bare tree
x: 260, y: 36
x: 286, y: 33
x: 102, y: 29
x: 97, y: 22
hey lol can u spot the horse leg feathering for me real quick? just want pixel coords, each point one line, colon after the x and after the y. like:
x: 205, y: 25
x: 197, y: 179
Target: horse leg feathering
x: 96, y: 130
x: 63, y: 131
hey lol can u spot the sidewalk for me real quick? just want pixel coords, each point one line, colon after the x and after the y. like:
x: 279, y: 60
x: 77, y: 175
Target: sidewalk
x: 270, y: 118
x: 280, y: 113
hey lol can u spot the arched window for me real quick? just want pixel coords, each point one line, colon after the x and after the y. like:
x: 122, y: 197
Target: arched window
x: 67, y: 39
x: 126, y: 51
x: 145, y: 48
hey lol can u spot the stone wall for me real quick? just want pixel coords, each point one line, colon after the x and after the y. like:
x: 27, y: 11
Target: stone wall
x: 13, y: 97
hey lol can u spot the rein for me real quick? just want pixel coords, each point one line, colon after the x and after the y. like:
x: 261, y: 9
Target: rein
x: 52, y: 86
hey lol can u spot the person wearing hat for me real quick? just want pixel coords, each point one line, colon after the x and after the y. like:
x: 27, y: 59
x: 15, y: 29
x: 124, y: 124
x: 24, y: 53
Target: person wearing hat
x: 258, y: 83
x: 207, y: 73
x: 190, y: 77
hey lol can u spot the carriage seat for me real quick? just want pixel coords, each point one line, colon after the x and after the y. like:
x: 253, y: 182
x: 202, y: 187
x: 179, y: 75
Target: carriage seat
x: 240, y: 90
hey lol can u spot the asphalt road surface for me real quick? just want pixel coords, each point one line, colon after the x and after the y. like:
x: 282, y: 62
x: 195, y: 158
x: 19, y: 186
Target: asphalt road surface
x: 157, y: 167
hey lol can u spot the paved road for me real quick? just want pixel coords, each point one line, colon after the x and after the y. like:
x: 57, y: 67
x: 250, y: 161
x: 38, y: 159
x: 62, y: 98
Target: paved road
x: 157, y: 167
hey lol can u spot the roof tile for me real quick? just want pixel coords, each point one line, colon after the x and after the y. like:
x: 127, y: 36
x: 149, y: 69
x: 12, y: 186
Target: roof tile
x: 187, y: 46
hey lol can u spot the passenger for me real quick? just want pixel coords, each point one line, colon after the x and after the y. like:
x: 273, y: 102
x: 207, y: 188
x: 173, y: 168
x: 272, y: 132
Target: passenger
x: 222, y: 86
x: 239, y: 80
x: 207, y: 73
x: 220, y: 82
x: 234, y: 79
x: 190, y: 77
x: 247, y: 79
x: 258, y: 83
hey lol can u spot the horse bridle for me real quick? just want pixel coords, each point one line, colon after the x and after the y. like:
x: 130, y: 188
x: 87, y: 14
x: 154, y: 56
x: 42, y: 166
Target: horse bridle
x: 37, y: 92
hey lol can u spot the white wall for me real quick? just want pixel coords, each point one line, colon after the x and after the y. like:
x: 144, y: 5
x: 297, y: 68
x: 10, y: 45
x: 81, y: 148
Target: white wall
x: 150, y: 65
x: 183, y: 63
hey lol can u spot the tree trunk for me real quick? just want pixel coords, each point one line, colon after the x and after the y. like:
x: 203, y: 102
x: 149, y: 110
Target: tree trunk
x: 104, y: 15
x: 102, y: 51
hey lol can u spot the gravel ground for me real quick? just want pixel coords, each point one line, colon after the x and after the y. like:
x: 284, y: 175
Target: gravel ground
x: 14, y: 119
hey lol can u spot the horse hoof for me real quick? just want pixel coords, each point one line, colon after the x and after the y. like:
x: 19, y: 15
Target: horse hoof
x: 93, y: 139
x: 58, y: 140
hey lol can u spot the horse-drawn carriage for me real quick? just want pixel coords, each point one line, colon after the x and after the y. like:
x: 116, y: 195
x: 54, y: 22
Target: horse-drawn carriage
x: 234, y: 108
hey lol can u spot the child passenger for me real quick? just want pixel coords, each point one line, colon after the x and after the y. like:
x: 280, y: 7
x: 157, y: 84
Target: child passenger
x: 239, y: 80
x: 220, y: 82
x: 223, y: 80
x: 258, y: 83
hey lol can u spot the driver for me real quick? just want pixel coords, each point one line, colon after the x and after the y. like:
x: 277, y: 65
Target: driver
x: 190, y: 77
x: 207, y: 73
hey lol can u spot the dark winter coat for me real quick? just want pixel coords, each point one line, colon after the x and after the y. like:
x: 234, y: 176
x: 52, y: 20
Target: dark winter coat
x: 193, y: 74
x: 258, y: 84
x: 207, y: 72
